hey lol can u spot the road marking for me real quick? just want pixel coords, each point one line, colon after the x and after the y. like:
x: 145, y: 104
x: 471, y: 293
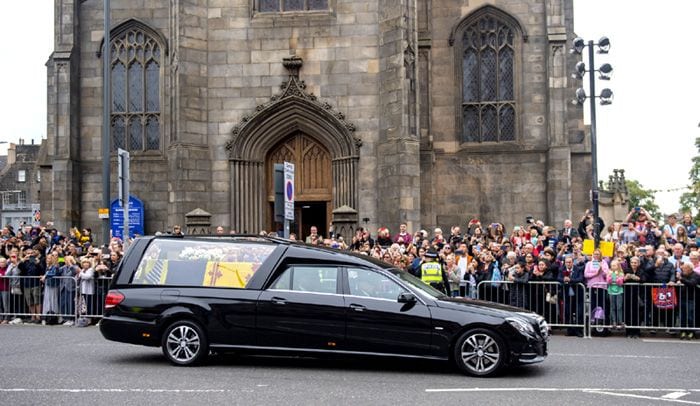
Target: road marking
x: 560, y: 390
x: 631, y: 395
x: 661, y: 340
x: 115, y: 390
x: 613, y: 356
x: 675, y: 395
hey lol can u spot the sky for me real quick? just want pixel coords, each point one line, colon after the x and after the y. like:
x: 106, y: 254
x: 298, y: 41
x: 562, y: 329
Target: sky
x: 649, y: 130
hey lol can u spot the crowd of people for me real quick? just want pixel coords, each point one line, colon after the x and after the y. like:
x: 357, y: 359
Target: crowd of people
x: 548, y: 269
x: 50, y: 277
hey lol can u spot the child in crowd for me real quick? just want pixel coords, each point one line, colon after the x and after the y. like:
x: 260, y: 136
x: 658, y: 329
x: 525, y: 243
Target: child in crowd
x: 615, y: 278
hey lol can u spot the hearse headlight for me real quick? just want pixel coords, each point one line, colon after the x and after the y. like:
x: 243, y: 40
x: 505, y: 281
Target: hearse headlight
x: 521, y: 325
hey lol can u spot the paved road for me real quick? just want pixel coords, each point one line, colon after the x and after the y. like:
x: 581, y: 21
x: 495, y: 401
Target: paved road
x: 74, y: 366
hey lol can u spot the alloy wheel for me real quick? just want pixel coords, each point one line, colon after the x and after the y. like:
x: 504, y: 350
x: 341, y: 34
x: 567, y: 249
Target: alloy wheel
x: 183, y: 344
x: 480, y: 353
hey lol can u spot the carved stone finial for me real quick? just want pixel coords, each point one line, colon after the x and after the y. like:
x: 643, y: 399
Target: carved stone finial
x: 293, y: 64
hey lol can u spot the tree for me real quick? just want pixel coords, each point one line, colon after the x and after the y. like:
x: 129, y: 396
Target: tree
x: 690, y: 201
x: 640, y: 197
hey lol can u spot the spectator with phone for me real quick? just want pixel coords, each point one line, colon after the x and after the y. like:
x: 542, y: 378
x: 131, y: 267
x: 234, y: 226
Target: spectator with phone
x: 586, y: 221
x: 33, y: 268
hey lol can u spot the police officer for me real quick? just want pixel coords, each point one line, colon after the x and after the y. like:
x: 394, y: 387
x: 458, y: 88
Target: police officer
x: 433, y: 273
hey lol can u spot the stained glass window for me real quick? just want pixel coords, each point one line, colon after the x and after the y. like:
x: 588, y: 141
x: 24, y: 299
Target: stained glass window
x: 136, y: 64
x: 488, y: 96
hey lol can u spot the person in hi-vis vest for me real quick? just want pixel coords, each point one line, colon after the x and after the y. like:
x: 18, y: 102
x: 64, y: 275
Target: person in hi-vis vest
x: 433, y: 273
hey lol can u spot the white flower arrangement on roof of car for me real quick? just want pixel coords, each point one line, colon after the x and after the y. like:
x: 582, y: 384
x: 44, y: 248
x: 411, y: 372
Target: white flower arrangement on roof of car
x: 202, y: 254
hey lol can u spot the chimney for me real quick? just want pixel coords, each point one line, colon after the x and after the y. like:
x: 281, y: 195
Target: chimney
x: 11, y: 154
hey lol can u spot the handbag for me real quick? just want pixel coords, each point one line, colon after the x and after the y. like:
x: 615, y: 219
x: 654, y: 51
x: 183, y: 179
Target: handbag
x: 496, y: 277
x: 664, y: 297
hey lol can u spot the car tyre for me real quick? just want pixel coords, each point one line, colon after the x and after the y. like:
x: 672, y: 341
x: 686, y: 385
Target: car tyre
x: 184, y: 343
x: 479, y: 352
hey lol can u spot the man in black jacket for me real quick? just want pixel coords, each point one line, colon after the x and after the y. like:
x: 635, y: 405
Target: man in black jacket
x: 574, y: 292
x: 31, y: 268
x: 662, y: 272
x: 689, y: 291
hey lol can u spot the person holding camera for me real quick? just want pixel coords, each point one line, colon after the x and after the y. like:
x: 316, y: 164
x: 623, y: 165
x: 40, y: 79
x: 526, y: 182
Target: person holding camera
x: 31, y: 268
x: 587, y: 220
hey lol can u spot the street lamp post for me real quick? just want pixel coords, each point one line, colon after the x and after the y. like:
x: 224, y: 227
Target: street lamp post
x: 605, y: 97
x: 106, y: 112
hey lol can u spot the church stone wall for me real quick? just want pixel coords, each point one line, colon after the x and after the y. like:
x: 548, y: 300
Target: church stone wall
x: 224, y: 60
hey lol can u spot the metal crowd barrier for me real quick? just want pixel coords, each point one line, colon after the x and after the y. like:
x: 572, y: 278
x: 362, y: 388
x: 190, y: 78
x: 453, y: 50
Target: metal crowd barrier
x: 60, y: 298
x: 649, y: 306
x: 574, y: 306
x: 562, y: 305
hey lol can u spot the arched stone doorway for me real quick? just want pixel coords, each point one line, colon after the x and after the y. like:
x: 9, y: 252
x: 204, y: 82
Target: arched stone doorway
x: 312, y: 182
x: 283, y: 117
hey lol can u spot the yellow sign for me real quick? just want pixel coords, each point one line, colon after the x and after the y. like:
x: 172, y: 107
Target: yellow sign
x: 607, y: 248
x: 103, y: 213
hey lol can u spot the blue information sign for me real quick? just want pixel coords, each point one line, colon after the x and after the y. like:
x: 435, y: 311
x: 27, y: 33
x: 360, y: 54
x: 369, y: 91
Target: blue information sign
x: 136, y: 217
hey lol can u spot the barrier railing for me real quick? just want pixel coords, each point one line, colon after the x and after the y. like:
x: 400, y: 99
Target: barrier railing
x: 645, y: 307
x: 52, y: 300
x: 562, y: 305
x: 595, y: 311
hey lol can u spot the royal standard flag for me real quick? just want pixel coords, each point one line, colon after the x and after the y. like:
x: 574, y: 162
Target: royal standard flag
x: 227, y: 274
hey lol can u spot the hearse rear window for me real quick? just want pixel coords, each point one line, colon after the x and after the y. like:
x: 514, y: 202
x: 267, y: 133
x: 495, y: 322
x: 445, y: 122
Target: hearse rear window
x: 200, y: 263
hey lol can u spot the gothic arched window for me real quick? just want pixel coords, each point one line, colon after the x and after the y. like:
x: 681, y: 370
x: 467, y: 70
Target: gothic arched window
x: 135, y: 72
x: 488, y: 61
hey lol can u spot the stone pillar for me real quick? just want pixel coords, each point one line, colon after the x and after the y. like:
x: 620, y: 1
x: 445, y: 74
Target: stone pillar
x: 189, y: 156
x: 397, y: 150
x: 559, y: 153
x: 198, y: 221
x: 62, y: 127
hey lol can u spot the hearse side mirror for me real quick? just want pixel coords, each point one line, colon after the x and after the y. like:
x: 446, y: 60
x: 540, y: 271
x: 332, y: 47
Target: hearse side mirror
x: 406, y: 297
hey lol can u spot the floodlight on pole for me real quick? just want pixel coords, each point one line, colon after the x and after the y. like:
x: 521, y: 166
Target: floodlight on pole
x: 606, y: 97
x: 605, y: 71
x: 579, y: 71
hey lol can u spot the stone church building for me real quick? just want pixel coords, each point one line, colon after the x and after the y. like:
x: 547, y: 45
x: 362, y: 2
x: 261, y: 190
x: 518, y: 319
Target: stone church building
x: 428, y: 112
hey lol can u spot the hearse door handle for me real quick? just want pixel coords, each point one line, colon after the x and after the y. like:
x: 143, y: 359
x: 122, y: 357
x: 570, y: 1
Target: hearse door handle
x: 278, y: 300
x: 357, y: 307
